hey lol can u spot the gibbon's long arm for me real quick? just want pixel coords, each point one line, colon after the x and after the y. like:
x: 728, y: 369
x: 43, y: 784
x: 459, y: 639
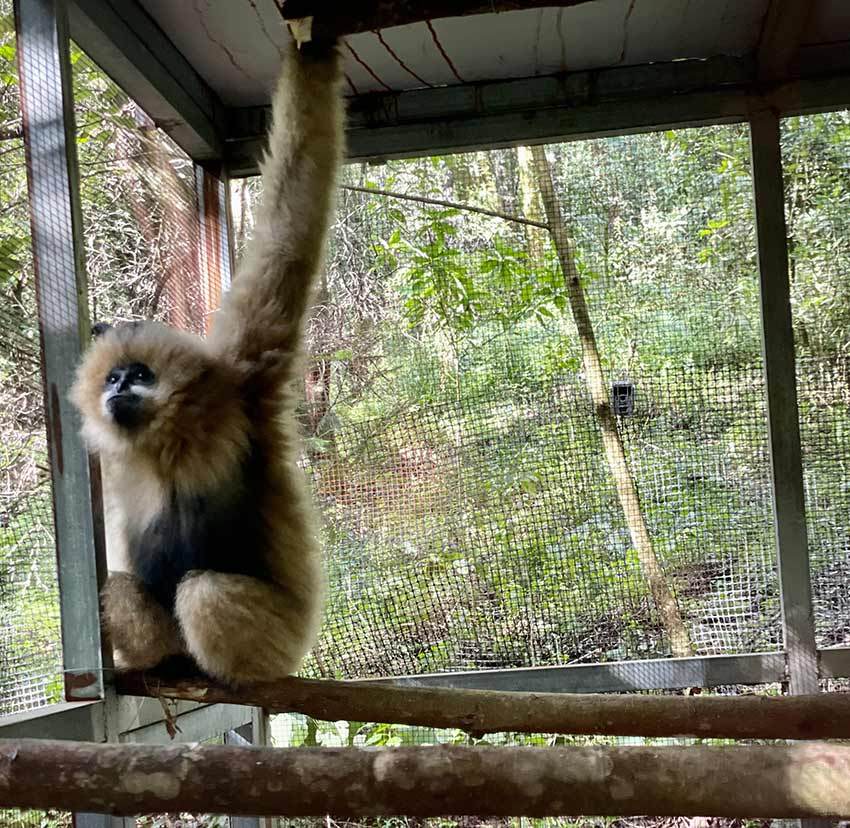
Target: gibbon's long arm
x: 261, y: 317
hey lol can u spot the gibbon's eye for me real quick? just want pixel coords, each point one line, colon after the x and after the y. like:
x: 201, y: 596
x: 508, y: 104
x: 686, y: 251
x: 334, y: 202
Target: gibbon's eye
x: 113, y: 378
x: 141, y: 374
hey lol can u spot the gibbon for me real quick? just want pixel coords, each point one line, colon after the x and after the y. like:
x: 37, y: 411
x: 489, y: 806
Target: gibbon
x: 211, y: 540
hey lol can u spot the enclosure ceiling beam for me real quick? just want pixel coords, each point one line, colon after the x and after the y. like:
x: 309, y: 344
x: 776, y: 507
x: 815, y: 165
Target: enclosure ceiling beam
x: 123, y: 39
x: 779, y: 46
x: 566, y: 107
x: 355, y: 16
x: 774, y: 781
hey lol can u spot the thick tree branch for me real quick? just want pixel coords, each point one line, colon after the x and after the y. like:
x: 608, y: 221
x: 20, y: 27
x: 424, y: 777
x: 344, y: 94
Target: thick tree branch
x: 483, y: 711
x: 334, y: 19
x: 771, y: 781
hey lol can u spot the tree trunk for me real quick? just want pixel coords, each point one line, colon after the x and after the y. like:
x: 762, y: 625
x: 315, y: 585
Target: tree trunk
x: 530, y: 195
x: 770, y: 781
x: 671, y: 617
x: 317, y: 381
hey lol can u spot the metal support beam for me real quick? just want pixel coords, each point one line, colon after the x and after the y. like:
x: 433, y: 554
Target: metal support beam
x: 834, y: 662
x: 330, y: 20
x: 216, y: 237
x: 783, y: 419
x: 493, y: 114
x: 617, y: 676
x: 572, y: 106
x: 198, y: 725
x: 779, y: 47
x: 121, y: 37
x: 80, y: 721
x: 243, y: 737
x: 55, y: 217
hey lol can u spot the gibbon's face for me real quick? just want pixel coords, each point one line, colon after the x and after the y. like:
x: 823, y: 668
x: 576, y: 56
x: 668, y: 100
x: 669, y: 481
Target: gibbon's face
x: 136, y: 381
x: 127, y: 392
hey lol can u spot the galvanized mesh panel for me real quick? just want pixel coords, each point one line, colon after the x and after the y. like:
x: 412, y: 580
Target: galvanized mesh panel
x: 30, y: 647
x: 817, y: 179
x: 147, y: 257
x: 474, y: 516
x: 144, y: 253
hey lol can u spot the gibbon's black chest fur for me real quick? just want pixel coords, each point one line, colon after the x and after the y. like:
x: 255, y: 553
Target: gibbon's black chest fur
x: 220, y: 531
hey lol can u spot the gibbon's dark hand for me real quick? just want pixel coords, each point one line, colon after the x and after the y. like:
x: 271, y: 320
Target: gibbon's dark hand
x: 311, y: 47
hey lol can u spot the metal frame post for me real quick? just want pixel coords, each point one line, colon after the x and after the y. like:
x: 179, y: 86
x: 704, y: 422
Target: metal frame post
x: 216, y: 238
x: 217, y: 261
x: 55, y: 217
x: 783, y: 419
x: 47, y: 105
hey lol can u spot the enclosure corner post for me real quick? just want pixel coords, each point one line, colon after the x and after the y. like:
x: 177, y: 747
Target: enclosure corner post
x: 55, y: 217
x: 781, y: 390
x: 215, y: 236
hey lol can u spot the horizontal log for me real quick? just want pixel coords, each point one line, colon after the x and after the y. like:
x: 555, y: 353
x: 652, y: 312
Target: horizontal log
x: 820, y: 716
x: 759, y: 782
x: 354, y: 16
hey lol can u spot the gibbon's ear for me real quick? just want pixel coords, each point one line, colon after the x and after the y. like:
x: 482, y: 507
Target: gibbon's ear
x: 99, y: 329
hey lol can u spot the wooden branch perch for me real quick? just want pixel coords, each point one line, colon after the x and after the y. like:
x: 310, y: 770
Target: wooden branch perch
x: 820, y: 716
x: 789, y: 781
x: 354, y: 16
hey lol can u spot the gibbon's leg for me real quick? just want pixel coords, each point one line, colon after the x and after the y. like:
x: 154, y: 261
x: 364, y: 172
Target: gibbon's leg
x: 240, y: 629
x: 141, y: 630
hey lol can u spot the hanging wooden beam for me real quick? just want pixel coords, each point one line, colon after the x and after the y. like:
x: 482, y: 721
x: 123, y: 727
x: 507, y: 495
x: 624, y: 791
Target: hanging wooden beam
x: 817, y: 716
x: 766, y: 781
x: 354, y: 16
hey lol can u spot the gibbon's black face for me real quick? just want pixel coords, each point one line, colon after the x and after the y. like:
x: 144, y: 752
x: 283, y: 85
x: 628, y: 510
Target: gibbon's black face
x: 124, y: 391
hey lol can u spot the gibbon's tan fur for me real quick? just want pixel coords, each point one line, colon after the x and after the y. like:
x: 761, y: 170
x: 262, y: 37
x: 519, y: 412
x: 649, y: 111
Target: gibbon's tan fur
x: 215, y: 408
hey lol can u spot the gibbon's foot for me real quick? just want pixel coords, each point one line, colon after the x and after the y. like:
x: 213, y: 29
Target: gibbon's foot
x: 240, y: 629
x: 178, y: 667
x: 141, y: 630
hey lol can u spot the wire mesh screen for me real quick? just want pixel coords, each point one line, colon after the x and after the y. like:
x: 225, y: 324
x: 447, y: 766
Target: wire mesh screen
x: 535, y: 446
x: 145, y: 255
x: 30, y: 647
x: 815, y: 150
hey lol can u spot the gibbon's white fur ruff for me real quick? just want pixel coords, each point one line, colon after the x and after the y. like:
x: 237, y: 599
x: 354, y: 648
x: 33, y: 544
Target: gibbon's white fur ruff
x: 211, y: 540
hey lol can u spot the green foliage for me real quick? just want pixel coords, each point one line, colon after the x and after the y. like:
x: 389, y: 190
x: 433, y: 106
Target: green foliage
x: 470, y: 519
